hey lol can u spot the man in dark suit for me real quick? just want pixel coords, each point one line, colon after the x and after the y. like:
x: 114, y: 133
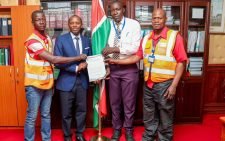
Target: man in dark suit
x: 73, y: 79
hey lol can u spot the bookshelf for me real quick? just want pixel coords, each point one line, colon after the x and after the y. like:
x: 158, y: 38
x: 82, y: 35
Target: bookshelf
x: 5, y: 36
x: 12, y: 94
x: 58, y: 13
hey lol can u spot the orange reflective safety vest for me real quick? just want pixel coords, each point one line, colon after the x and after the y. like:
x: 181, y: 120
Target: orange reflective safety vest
x: 164, y: 65
x: 38, y: 73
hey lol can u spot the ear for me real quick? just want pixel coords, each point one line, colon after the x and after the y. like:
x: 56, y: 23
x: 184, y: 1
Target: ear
x: 124, y: 10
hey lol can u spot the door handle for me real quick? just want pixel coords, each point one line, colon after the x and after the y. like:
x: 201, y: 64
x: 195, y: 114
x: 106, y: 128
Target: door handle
x: 17, y: 71
x: 10, y: 71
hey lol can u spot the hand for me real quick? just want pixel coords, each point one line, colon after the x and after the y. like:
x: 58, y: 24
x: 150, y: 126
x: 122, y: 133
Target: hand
x: 107, y: 50
x: 82, y: 66
x: 97, y: 81
x: 111, y: 61
x: 83, y: 57
x: 170, y: 93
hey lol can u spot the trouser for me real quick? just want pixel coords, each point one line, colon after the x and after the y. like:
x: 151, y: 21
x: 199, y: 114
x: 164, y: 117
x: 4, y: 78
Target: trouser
x: 123, y: 85
x: 158, y: 112
x: 38, y: 98
x: 78, y: 98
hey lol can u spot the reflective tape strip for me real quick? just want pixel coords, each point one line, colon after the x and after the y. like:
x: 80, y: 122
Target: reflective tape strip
x: 162, y: 58
x: 35, y: 46
x: 145, y: 41
x: 161, y: 71
x: 165, y: 58
x: 38, y: 77
x: 171, y: 42
x: 36, y: 63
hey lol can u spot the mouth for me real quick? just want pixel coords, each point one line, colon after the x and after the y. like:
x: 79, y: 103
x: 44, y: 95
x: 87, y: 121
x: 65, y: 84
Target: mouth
x: 75, y: 29
x: 156, y: 24
x: 42, y: 27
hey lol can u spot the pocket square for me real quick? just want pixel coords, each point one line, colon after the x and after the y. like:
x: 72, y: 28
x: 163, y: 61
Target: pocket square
x: 87, y: 48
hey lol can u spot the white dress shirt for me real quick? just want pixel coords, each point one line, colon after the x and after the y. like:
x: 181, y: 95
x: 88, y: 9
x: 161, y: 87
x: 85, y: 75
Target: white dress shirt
x: 130, y: 37
x: 75, y: 42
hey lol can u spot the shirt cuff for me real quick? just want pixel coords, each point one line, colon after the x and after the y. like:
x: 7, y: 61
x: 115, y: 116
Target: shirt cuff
x: 76, y: 69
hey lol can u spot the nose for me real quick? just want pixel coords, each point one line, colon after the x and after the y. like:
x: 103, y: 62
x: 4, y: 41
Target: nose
x: 114, y: 12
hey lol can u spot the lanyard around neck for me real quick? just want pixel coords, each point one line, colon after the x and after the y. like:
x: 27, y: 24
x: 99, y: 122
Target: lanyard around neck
x: 119, y: 33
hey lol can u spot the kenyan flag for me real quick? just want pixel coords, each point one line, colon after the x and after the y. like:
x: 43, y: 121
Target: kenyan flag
x: 100, y: 33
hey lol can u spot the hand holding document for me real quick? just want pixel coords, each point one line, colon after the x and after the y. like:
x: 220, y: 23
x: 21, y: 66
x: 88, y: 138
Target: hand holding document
x: 96, y: 67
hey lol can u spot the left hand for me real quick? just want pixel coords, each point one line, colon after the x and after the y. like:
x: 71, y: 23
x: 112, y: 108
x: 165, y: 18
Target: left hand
x: 82, y: 66
x: 107, y: 50
x: 170, y: 93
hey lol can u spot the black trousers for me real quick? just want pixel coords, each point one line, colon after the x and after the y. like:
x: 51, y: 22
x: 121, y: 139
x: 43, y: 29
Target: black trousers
x: 77, y: 97
x: 158, y: 113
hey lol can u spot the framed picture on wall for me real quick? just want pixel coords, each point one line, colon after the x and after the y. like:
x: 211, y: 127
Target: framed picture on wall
x: 217, y: 16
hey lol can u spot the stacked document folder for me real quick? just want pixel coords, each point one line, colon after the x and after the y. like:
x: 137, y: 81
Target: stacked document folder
x: 195, y: 66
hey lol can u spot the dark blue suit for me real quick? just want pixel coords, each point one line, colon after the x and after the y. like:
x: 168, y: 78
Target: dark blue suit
x: 72, y: 86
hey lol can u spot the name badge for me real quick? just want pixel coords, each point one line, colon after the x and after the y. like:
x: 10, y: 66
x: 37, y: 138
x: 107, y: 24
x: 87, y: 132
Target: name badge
x: 151, y: 59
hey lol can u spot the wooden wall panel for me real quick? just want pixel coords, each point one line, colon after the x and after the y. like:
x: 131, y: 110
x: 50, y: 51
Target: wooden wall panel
x: 22, y: 28
x: 214, y: 90
x: 216, y: 49
x: 8, y: 107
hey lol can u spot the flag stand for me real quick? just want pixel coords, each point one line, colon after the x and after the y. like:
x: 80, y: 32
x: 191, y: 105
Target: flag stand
x: 99, y: 137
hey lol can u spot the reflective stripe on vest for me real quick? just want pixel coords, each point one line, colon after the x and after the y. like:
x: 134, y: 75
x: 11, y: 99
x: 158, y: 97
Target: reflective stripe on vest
x: 38, y: 73
x: 164, y: 65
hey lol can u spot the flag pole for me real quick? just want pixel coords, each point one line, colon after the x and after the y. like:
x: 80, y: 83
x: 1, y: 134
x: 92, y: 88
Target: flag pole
x: 100, y: 137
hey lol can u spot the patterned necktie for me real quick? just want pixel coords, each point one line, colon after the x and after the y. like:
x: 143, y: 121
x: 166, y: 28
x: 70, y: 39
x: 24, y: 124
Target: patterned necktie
x: 116, y: 41
x: 77, y: 45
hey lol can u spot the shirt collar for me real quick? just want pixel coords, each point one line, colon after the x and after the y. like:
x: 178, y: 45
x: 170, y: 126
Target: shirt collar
x: 43, y: 37
x: 163, y: 34
x: 121, y: 22
x: 73, y: 36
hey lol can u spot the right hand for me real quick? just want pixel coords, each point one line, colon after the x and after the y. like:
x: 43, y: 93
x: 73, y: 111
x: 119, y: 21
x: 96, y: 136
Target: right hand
x: 83, y: 57
x: 82, y: 66
x: 111, y: 61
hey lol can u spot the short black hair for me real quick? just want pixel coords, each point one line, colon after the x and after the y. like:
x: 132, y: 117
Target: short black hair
x: 34, y: 13
x: 76, y: 17
x: 117, y: 1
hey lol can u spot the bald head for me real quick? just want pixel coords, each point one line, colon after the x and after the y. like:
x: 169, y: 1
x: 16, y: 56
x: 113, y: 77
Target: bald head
x: 158, y: 19
x: 161, y: 11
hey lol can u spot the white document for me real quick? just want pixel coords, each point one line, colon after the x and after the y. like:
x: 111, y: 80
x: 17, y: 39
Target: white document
x: 197, y: 13
x: 96, y: 67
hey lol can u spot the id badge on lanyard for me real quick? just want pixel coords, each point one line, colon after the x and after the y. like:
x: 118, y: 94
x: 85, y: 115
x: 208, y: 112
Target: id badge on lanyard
x: 151, y: 58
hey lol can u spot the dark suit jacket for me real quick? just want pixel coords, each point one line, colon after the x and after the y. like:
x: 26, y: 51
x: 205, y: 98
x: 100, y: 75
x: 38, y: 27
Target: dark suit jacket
x: 64, y: 46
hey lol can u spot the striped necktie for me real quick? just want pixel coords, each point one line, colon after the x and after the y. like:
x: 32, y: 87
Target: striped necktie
x: 116, y: 41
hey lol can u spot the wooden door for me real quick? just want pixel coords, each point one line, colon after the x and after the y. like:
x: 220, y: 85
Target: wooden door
x: 8, y: 103
x: 190, y: 101
x: 22, y: 28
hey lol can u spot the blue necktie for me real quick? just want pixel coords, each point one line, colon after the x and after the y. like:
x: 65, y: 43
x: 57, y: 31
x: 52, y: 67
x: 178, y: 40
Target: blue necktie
x: 77, y: 45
